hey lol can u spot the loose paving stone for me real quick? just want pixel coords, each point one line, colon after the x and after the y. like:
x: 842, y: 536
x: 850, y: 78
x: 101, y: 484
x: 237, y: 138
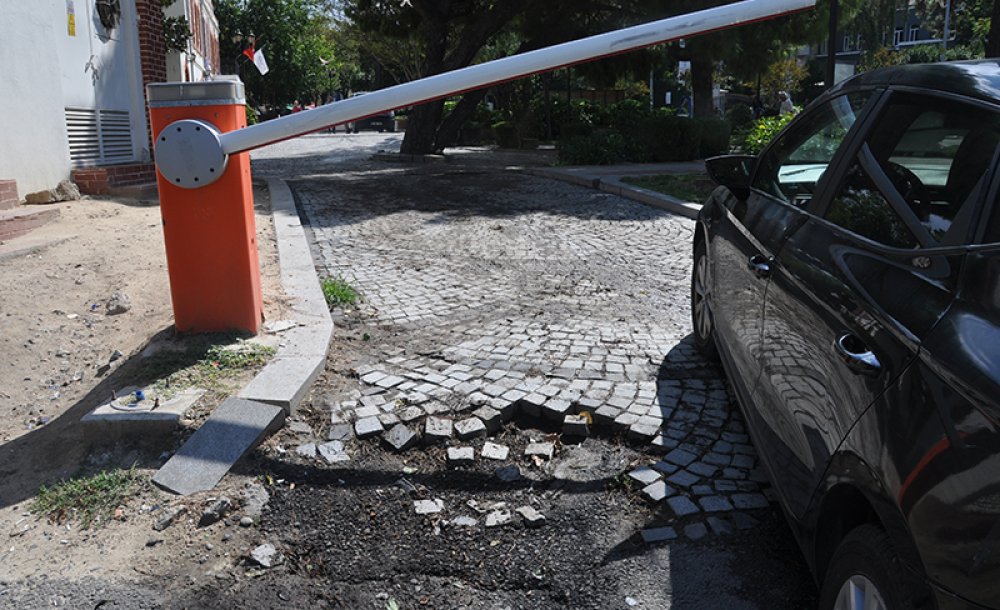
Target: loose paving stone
x: 490, y: 417
x: 494, y: 451
x: 333, y: 452
x: 400, y: 437
x: 532, y: 518
x: 576, y: 426
x: 389, y: 382
x: 464, y: 521
x: 307, y: 451
x: 471, y: 428
x: 657, y: 491
x: 373, y: 377
x: 605, y: 415
x: 682, y: 506
x: 266, y: 556
x: 375, y: 400
x: 368, y: 427
x: 644, y: 475
x: 545, y: 450
x: 532, y: 404
x: 437, y: 429
x: 695, y: 531
x: 428, y: 507
x: 411, y: 414
x: 388, y: 419
x: 366, y: 412
x: 340, y: 432
x: 498, y: 517
x: 642, y: 432
x: 461, y: 456
x: 658, y: 534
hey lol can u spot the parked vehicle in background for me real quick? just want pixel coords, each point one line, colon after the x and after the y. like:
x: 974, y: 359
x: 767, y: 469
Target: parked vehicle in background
x: 385, y: 121
x: 848, y: 278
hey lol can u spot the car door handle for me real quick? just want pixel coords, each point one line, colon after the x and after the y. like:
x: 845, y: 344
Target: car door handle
x: 760, y: 265
x: 856, y: 355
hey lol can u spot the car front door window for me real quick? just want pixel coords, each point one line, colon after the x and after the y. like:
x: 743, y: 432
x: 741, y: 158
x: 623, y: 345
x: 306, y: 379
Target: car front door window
x: 793, y: 166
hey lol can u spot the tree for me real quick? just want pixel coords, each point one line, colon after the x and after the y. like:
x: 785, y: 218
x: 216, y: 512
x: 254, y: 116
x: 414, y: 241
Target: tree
x: 294, y: 37
x: 426, y: 37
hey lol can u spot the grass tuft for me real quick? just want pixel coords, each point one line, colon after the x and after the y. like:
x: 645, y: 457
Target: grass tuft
x: 686, y: 187
x: 90, y: 500
x: 338, y: 292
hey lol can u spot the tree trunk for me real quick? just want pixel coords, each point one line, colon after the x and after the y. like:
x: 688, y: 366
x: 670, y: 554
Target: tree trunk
x: 702, y: 68
x: 447, y: 135
x: 421, y: 129
x: 993, y: 39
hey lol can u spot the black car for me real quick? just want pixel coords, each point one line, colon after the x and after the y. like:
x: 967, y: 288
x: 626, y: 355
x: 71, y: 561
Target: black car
x: 384, y: 121
x: 848, y: 278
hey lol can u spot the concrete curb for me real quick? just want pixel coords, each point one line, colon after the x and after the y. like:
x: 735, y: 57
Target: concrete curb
x: 301, y: 355
x: 614, y: 185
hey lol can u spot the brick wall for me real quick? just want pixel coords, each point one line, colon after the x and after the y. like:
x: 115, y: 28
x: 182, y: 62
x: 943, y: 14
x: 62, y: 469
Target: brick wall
x: 100, y: 180
x: 152, y: 46
x: 8, y: 194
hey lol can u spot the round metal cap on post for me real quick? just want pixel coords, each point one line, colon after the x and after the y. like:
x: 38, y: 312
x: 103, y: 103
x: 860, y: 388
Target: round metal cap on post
x: 189, y: 153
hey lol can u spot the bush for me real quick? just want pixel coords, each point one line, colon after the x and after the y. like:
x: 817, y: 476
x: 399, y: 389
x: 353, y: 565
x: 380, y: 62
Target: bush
x: 506, y: 135
x: 763, y: 131
x: 671, y: 138
x: 740, y: 117
x: 601, y: 148
x: 714, y: 137
x: 629, y: 116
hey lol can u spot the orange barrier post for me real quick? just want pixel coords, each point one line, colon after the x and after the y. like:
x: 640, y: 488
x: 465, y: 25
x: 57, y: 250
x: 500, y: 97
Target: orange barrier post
x: 209, y: 231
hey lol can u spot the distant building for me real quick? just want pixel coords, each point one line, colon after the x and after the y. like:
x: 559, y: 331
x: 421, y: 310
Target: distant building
x: 72, y: 102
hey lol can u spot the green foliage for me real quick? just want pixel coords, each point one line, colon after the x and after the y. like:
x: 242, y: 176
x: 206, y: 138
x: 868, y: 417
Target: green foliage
x: 686, y: 187
x: 89, y: 500
x: 293, y: 35
x: 338, y: 292
x: 917, y: 54
x: 177, y: 32
x: 602, y: 148
x: 715, y: 135
x: 763, y: 131
x: 505, y: 133
x: 740, y: 117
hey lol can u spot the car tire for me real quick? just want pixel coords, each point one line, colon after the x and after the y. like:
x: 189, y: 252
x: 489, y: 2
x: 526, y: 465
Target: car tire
x: 866, y: 568
x: 701, y: 316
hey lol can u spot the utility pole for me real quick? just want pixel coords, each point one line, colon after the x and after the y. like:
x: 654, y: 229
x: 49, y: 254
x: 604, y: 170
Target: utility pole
x: 831, y: 45
x: 947, y: 24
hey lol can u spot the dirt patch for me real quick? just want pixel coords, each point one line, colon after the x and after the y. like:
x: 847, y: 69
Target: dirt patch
x: 67, y: 355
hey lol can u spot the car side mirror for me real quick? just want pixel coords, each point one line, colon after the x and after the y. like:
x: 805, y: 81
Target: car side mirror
x: 732, y: 172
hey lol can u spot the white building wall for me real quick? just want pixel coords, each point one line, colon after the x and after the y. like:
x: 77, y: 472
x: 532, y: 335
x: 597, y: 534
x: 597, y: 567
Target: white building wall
x: 193, y: 65
x: 44, y: 69
x: 33, y: 147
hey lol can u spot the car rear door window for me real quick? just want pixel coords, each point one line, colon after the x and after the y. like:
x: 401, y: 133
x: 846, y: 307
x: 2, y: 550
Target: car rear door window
x: 794, y: 164
x: 919, y: 174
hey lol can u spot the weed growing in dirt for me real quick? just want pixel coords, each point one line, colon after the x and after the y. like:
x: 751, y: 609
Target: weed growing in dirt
x: 205, y: 363
x: 89, y: 500
x: 338, y: 292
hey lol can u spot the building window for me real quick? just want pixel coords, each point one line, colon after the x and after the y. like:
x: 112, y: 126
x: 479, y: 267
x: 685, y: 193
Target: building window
x: 897, y: 37
x: 914, y: 32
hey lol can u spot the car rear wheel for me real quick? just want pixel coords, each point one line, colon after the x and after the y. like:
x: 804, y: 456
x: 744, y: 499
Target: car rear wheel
x: 866, y: 574
x: 701, y: 315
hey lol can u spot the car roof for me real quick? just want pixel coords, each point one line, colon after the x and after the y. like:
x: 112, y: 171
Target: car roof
x: 977, y: 79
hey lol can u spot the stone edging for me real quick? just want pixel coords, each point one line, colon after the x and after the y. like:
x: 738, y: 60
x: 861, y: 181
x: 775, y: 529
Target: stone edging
x: 301, y: 355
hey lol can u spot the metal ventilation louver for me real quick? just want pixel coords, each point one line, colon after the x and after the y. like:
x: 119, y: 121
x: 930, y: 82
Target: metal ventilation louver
x: 99, y: 137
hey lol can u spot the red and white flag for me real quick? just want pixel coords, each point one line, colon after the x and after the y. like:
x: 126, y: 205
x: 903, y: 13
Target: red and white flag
x: 260, y: 62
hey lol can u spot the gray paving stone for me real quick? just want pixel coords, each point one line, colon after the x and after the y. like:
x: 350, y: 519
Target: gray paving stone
x: 495, y: 451
x: 470, y: 428
x: 605, y: 415
x: 307, y: 450
x: 388, y: 420
x: 576, y: 426
x: 235, y: 427
x: 411, y: 414
x: 490, y: 417
x: 715, y: 504
x: 743, y: 521
x: 665, y: 467
x: 658, y: 534
x: 437, y: 429
x: 702, y: 470
x: 400, y: 437
x: 333, y: 452
x: 721, y: 527
x: 428, y: 507
x: 640, y: 432
x: 532, y: 518
x: 682, y: 506
x: 340, y: 432
x: 365, y: 412
x: 657, y: 491
x: 367, y: 427
x: 373, y: 377
x: 389, y: 382
x: 532, y: 404
x: 623, y: 422
x: 461, y: 456
x: 683, y: 478
x: 644, y: 475
x: 695, y: 531
x: 749, y: 501
x: 555, y: 409
x: 680, y: 457
x: 545, y: 450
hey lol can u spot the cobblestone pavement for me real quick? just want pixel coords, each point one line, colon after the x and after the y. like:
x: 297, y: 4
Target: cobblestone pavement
x: 515, y: 294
